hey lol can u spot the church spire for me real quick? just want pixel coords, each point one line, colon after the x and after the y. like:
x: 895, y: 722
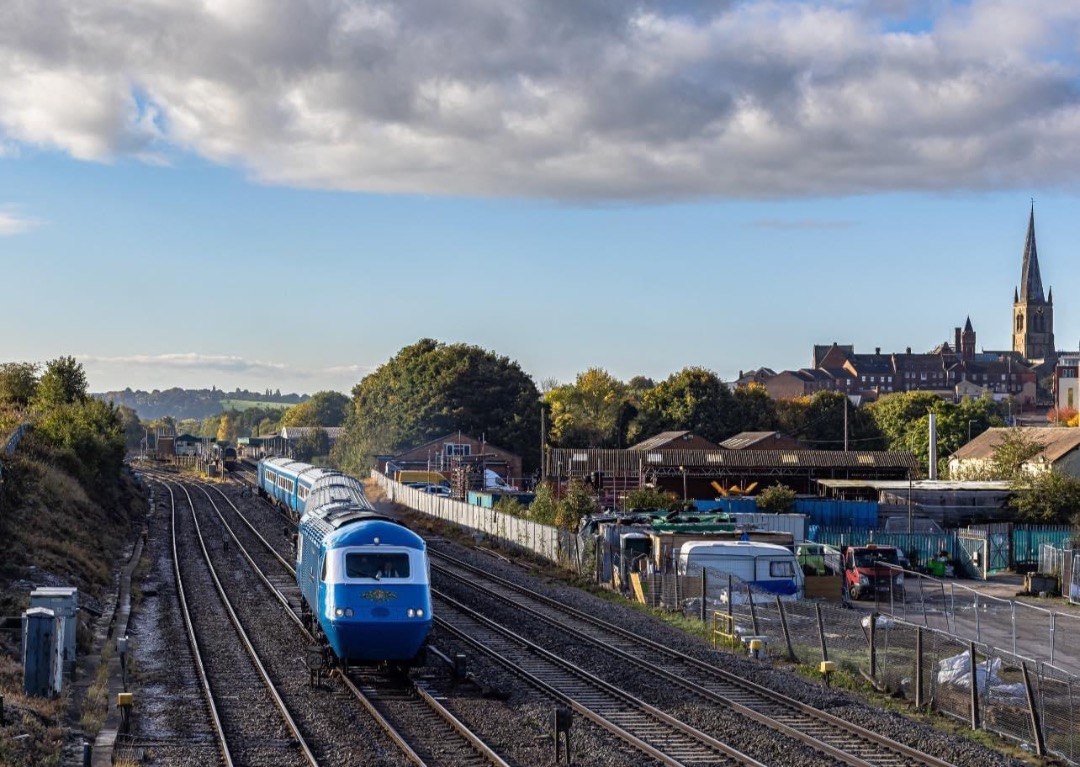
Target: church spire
x: 1030, y: 280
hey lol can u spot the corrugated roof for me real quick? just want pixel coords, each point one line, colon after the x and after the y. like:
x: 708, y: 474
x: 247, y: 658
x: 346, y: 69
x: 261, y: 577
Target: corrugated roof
x: 745, y: 438
x: 295, y: 432
x: 660, y: 440
x: 1056, y: 441
x: 625, y: 462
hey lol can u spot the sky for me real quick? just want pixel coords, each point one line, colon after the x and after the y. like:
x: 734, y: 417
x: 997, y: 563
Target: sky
x: 284, y: 193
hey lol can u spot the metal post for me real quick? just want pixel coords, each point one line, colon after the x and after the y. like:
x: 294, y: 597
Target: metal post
x: 1012, y: 605
x: 753, y: 612
x: 918, y: 668
x: 978, y: 623
x: 783, y: 625
x: 730, y: 602
x: 821, y: 634
x: 1053, y: 635
x: 873, y: 645
x: 704, y: 591
x: 1036, y: 725
x: 973, y: 669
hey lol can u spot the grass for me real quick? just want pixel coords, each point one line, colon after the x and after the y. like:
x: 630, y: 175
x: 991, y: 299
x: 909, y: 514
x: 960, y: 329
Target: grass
x: 247, y: 404
x: 32, y: 733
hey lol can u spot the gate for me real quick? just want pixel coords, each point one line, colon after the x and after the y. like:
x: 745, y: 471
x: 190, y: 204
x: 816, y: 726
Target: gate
x: 974, y: 552
x: 1074, y: 580
x: 998, y: 540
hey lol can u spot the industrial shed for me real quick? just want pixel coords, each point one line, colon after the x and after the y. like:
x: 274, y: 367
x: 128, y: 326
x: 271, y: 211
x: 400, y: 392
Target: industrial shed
x: 692, y: 472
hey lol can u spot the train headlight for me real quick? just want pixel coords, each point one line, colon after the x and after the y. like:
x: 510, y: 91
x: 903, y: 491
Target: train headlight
x: 417, y: 612
x: 348, y: 612
x: 339, y: 612
x: 411, y: 613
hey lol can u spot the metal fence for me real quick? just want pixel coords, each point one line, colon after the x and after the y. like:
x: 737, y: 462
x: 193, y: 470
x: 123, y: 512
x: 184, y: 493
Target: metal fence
x: 557, y: 546
x: 1021, y: 698
x: 976, y: 551
x: 12, y: 442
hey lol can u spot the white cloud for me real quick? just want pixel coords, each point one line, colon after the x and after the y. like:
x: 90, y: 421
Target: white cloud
x: 191, y: 369
x: 567, y: 99
x: 13, y: 223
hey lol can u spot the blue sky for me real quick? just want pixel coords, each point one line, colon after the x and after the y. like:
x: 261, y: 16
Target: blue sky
x: 284, y: 194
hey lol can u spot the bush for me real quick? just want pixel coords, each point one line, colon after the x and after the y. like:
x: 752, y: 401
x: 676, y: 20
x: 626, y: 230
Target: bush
x: 776, y: 499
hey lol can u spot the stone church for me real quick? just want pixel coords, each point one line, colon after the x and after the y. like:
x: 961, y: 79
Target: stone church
x: 1033, y: 313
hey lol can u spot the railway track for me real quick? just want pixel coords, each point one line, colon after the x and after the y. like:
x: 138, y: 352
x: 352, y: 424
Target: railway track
x: 653, y: 732
x: 254, y: 726
x: 833, y: 737
x: 424, y: 731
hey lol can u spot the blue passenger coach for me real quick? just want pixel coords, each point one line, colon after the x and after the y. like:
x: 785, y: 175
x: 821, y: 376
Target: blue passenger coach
x: 290, y: 482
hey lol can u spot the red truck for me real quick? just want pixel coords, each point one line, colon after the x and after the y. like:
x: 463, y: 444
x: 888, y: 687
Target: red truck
x: 873, y: 571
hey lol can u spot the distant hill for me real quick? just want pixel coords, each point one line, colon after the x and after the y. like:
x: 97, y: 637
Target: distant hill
x: 196, y: 403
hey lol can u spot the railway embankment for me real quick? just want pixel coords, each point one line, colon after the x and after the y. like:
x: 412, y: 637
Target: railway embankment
x: 64, y: 526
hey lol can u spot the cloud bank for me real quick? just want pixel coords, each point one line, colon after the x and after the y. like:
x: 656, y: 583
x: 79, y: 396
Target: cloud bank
x: 226, y: 371
x: 558, y: 99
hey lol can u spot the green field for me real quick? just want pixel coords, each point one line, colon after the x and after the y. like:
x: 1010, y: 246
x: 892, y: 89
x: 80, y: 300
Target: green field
x: 247, y: 404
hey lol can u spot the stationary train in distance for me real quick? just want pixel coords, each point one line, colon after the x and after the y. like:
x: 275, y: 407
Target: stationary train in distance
x: 364, y: 578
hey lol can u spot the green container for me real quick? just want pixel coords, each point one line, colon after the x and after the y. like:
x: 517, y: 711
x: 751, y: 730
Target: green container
x: 937, y: 568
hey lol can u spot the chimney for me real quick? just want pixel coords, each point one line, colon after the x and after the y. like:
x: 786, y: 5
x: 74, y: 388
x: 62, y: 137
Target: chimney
x: 908, y: 350
x: 877, y: 350
x: 933, y: 446
x: 956, y: 346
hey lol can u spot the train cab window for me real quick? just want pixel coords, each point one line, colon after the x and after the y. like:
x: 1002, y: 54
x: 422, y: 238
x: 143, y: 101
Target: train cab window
x: 324, y: 561
x: 377, y: 566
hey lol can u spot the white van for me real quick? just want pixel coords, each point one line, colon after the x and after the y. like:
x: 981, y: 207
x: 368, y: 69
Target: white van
x: 765, y: 566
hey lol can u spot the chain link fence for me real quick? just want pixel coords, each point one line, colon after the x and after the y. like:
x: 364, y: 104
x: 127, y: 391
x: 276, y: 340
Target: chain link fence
x: 926, y: 644
x: 1030, y: 701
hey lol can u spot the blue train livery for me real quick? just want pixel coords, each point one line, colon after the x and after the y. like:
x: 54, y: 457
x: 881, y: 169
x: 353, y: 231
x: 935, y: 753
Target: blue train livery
x: 364, y: 578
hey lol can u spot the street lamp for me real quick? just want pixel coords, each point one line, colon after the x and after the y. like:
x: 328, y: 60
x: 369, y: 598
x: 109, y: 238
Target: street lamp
x: 683, y: 470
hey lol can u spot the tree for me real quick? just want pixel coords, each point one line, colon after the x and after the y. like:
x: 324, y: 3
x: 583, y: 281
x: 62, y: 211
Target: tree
x: 819, y: 422
x: 430, y: 389
x: 1063, y: 416
x: 311, y: 444
x: 588, y: 412
x: 88, y: 437
x: 62, y: 383
x: 325, y: 408
x: 18, y: 383
x: 1010, y: 455
x: 776, y: 499
x: 577, y: 504
x: 753, y: 409
x: 226, y: 431
x: 651, y: 498
x: 544, y: 506
x: 131, y: 427
x: 694, y: 399
x: 1046, y: 498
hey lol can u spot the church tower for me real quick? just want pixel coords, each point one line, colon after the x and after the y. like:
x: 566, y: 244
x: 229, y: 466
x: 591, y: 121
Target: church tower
x: 1033, y: 315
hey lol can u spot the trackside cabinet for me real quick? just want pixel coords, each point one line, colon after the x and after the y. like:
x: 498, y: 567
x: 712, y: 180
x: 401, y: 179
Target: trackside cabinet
x: 64, y: 602
x: 43, y: 666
